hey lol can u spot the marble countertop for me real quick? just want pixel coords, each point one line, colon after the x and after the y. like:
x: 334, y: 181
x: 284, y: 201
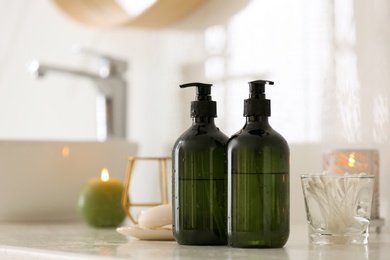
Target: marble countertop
x: 72, y: 240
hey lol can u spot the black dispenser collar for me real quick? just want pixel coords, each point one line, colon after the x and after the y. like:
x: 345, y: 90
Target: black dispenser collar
x: 257, y: 104
x: 203, y: 106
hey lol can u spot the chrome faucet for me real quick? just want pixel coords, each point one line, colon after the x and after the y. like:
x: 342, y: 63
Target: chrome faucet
x: 111, y: 98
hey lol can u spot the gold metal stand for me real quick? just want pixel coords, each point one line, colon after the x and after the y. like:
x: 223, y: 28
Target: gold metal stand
x: 163, y: 176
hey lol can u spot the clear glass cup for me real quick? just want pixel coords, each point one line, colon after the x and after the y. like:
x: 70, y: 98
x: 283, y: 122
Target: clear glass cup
x: 338, y: 207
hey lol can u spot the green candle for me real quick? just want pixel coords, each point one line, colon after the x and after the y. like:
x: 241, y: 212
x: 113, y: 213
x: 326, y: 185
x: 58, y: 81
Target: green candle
x: 99, y: 202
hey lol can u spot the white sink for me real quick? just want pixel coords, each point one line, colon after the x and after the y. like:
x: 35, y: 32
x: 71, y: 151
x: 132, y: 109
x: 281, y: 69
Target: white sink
x: 41, y: 180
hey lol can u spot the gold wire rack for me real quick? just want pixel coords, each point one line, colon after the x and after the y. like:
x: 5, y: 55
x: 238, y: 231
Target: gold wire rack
x: 163, y: 177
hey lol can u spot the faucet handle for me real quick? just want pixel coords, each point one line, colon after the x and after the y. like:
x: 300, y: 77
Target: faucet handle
x: 109, y: 66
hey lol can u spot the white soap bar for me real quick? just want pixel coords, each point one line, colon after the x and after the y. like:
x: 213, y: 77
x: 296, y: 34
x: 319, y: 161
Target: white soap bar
x: 156, y: 217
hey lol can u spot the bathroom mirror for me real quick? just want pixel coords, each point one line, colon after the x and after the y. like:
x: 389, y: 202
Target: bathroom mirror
x: 116, y: 13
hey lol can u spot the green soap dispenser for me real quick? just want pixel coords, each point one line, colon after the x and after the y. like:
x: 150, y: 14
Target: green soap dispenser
x: 258, y: 178
x: 199, y: 193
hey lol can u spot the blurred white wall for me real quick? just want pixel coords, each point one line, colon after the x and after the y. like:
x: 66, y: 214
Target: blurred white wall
x: 329, y: 59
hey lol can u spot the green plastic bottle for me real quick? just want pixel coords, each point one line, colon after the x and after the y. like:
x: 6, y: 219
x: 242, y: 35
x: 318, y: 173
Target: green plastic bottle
x: 258, y: 178
x: 199, y: 176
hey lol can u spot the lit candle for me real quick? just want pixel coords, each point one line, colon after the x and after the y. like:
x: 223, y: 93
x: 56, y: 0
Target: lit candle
x: 351, y: 160
x: 99, y: 202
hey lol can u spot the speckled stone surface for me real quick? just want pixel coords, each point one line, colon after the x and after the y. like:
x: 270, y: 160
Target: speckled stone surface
x: 62, y: 237
x: 78, y: 241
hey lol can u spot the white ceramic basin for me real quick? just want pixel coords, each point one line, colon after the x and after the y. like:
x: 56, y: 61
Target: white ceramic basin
x: 41, y: 180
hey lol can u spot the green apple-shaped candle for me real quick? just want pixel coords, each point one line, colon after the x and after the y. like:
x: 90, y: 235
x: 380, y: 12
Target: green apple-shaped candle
x: 99, y: 202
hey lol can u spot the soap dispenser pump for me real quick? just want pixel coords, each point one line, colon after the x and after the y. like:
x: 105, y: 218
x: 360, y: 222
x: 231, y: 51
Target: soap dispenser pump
x: 199, y: 194
x: 258, y: 178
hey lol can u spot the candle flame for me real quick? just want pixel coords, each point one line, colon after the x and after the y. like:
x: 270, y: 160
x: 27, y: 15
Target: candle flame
x: 65, y: 151
x: 105, y: 176
x: 351, y: 160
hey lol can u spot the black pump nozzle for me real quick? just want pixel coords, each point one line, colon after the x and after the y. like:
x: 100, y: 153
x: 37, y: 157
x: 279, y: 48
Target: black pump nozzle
x: 257, y: 88
x: 204, y: 106
x: 203, y: 90
x: 257, y: 105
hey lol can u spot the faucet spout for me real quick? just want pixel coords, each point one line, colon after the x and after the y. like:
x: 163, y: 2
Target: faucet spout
x: 111, y: 100
x: 38, y: 70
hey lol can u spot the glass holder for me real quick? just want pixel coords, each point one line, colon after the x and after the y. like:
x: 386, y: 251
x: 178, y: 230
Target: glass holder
x: 163, y: 177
